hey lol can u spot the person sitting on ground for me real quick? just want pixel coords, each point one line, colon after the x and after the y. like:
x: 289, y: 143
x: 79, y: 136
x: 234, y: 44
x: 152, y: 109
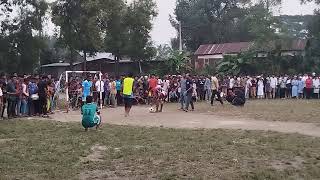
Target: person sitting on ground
x: 90, y: 114
x: 236, y: 98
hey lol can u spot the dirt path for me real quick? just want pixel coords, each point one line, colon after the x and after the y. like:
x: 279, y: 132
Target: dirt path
x: 174, y: 118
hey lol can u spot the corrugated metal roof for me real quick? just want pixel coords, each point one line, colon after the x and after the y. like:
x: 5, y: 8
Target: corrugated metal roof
x: 225, y: 48
x: 56, y: 65
x: 237, y: 47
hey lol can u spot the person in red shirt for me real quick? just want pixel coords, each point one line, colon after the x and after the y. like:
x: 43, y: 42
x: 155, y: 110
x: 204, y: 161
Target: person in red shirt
x: 153, y: 82
x: 309, y: 85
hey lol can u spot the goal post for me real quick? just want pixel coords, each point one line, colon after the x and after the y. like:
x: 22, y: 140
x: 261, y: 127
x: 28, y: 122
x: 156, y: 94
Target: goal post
x: 81, y: 72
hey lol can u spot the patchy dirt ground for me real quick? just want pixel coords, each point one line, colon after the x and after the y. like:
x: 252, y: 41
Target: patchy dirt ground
x: 250, y: 117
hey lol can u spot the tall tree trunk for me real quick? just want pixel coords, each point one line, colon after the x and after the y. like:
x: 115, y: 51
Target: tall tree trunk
x: 116, y: 65
x: 85, y: 61
x: 140, y: 68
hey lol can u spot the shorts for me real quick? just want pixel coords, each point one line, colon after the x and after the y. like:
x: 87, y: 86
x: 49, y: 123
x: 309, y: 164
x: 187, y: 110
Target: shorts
x: 96, y: 121
x: 127, y: 102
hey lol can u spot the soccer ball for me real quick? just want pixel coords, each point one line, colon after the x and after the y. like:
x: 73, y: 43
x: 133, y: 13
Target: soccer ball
x: 151, y: 110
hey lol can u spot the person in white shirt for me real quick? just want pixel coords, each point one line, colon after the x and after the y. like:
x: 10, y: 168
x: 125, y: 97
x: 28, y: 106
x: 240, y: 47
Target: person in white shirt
x: 165, y: 87
x: 248, y: 86
x: 231, y: 83
x: 260, y: 88
x: 100, y: 89
x: 273, y: 85
x: 316, y: 87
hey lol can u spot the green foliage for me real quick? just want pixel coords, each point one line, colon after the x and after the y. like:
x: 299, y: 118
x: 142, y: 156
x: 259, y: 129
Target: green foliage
x: 175, y: 62
x: 178, y: 62
x: 20, y: 47
x: 78, y: 25
x: 235, y: 65
x: 138, y: 19
x: 206, y: 21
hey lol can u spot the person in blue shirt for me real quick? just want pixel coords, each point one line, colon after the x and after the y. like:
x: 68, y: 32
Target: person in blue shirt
x: 118, y: 88
x: 86, y: 88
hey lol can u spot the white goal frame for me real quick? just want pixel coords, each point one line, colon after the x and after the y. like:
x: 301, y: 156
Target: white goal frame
x: 81, y: 72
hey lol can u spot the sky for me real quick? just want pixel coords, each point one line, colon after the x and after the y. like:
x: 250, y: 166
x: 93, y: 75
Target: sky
x: 163, y: 31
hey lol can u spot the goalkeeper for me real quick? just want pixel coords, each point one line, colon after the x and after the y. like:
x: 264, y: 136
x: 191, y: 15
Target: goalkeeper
x: 90, y: 114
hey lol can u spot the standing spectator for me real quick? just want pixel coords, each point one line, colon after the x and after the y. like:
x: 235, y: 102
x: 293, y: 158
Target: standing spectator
x: 316, y: 86
x: 207, y: 88
x: 253, y: 89
x: 260, y: 88
x: 50, y: 93
x: 295, y: 84
x: 113, y: 92
x: 215, y: 90
x: 119, y: 87
x: 183, y: 89
x: 308, y: 88
x: 188, y: 93
x: 3, y: 86
x: 273, y: 85
x: 224, y: 86
x: 301, y: 87
x: 33, y: 101
x: 12, y: 97
x: 166, y: 86
x: 288, y: 87
x: 232, y: 82
x: 268, y: 88
x: 19, y: 95
x: 24, y: 98
x: 100, y: 87
x: 304, y: 79
x: 42, y: 92
x: 282, y: 82
x: 248, y: 87
x: 200, y: 90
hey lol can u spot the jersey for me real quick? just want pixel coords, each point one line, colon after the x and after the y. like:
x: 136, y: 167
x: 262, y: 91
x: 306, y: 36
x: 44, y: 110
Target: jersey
x: 128, y: 86
x: 86, y: 88
x: 89, y: 114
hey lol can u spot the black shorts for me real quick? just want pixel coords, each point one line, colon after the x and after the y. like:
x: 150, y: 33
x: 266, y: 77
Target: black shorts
x: 127, y: 102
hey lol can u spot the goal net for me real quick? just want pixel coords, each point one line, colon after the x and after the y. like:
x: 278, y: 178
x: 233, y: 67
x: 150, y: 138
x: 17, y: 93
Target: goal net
x: 69, y: 87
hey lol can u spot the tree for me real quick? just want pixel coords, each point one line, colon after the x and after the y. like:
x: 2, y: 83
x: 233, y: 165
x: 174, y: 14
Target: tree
x: 206, y: 21
x: 79, y: 28
x: 270, y: 3
x: 138, y: 19
x: 21, y: 19
x: 112, y: 23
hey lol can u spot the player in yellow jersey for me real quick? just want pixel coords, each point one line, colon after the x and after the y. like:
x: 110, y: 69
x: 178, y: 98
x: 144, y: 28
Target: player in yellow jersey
x: 127, y: 92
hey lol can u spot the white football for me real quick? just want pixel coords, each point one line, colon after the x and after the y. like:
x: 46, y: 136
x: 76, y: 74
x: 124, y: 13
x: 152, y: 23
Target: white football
x: 151, y: 110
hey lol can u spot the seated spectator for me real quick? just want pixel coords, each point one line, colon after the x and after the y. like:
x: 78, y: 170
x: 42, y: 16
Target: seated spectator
x: 236, y: 98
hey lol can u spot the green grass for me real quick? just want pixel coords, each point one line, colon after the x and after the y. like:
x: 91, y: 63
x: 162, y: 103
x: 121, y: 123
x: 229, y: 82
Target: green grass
x: 53, y: 150
x: 270, y: 110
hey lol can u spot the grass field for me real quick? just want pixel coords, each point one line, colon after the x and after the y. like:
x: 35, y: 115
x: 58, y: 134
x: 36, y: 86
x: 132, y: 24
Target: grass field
x: 270, y: 110
x: 53, y: 150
